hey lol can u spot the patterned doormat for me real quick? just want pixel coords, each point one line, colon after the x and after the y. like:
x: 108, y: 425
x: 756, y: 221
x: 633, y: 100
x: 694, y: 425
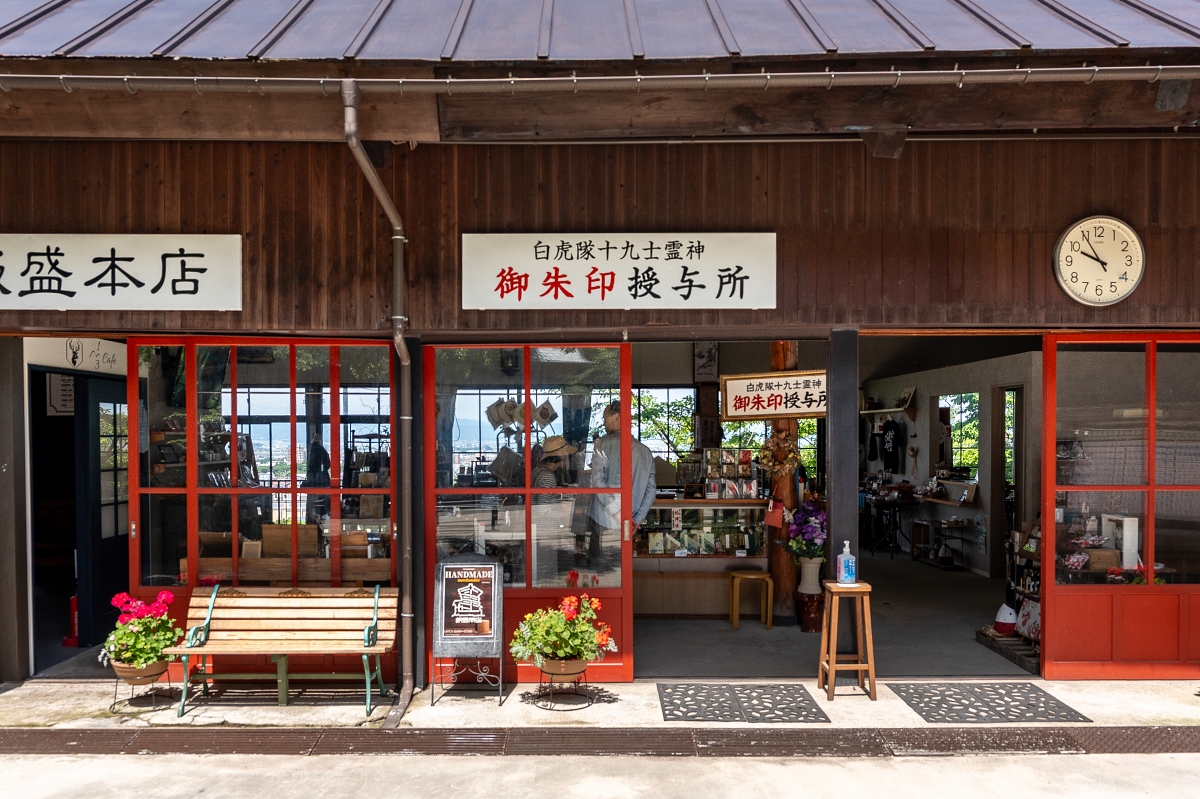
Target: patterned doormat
x: 983, y: 703
x: 761, y: 704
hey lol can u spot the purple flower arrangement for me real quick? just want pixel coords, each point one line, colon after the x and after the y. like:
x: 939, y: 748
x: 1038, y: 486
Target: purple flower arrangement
x: 807, y: 532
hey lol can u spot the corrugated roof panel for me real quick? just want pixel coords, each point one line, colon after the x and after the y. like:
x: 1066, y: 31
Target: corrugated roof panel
x: 325, y: 30
x: 13, y: 10
x: 1041, y: 26
x: 415, y: 29
x: 1186, y: 10
x: 593, y: 29
x: 233, y: 32
x: 1139, y: 28
x: 145, y: 30
x: 768, y: 27
x: 679, y: 29
x: 60, y: 26
x: 858, y: 26
x: 951, y: 26
x: 501, y: 30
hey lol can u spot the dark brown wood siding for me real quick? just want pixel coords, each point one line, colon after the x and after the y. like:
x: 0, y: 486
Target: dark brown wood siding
x: 949, y: 235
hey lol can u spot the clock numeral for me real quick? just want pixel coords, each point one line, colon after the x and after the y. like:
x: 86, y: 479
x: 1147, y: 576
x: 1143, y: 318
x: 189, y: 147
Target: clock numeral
x: 1074, y: 246
x: 1099, y: 231
x: 1075, y: 277
x: 1124, y: 246
x: 1099, y: 290
x: 1129, y: 260
x: 1069, y: 260
x: 1085, y: 285
x: 1112, y: 288
x: 1124, y: 276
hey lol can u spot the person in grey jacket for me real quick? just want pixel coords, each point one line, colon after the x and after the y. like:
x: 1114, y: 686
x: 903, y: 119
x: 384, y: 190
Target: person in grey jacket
x: 604, y: 513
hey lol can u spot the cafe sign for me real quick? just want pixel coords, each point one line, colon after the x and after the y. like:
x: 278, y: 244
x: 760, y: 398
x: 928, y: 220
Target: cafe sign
x: 618, y: 271
x: 103, y: 272
x: 773, y: 395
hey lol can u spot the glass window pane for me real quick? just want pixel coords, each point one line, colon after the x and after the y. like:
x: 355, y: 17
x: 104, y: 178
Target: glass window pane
x: 216, y: 539
x: 365, y: 418
x: 1101, y: 415
x: 1177, y: 536
x: 264, y: 416
x: 314, y: 460
x: 480, y: 439
x: 214, y: 403
x: 576, y: 541
x: 571, y: 388
x: 1099, y: 536
x: 108, y: 521
x: 164, y: 539
x: 162, y: 391
x: 718, y: 532
x: 1177, y: 453
x: 487, y: 525
x: 366, y: 550
x: 255, y: 510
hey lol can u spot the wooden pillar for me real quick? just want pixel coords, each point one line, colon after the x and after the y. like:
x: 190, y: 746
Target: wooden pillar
x: 14, y: 554
x: 782, y: 567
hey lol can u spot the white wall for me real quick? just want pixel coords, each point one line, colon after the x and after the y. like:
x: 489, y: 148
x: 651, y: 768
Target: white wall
x: 979, y: 377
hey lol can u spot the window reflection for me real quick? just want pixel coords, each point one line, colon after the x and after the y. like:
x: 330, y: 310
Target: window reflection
x: 1101, y: 415
x: 492, y: 525
x: 1099, y: 537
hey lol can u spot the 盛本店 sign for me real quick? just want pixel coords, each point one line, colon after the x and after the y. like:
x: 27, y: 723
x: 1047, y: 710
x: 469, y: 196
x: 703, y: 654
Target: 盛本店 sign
x: 773, y: 395
x: 617, y: 271
x: 468, y: 612
x: 153, y: 272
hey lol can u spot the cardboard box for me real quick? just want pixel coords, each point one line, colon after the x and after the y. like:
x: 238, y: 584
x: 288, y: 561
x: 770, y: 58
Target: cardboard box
x: 277, y: 540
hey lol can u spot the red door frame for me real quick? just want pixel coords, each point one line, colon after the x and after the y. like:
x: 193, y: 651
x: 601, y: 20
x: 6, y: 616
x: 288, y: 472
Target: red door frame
x: 616, y: 667
x: 192, y: 490
x: 1070, y: 613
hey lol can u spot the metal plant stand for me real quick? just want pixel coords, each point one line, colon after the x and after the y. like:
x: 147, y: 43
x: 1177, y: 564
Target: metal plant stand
x: 545, y: 695
x: 153, y: 693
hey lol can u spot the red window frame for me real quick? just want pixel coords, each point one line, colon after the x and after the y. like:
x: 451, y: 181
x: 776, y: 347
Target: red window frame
x: 1068, y: 610
x: 618, y: 667
x: 193, y: 491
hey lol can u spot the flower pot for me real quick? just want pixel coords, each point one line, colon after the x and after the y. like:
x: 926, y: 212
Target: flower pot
x: 810, y: 575
x: 810, y: 611
x: 140, y: 676
x: 563, y: 670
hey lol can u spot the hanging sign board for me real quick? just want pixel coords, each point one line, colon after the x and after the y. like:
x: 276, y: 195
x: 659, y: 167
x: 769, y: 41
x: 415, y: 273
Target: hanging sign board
x: 468, y: 607
x: 617, y: 271
x: 60, y: 394
x: 773, y: 395
x: 85, y: 272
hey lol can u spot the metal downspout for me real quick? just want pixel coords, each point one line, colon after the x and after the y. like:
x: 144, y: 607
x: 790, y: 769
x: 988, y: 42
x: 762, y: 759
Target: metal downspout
x: 350, y: 97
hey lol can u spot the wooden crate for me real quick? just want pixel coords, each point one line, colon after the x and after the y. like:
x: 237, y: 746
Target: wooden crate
x: 277, y: 540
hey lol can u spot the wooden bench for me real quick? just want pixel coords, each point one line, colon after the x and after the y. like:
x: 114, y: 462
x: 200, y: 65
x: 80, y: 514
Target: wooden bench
x: 294, y: 621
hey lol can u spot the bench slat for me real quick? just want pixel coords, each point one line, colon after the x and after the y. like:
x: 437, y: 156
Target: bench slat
x: 294, y: 613
x: 294, y: 624
x: 290, y: 602
x: 287, y: 635
x: 283, y: 648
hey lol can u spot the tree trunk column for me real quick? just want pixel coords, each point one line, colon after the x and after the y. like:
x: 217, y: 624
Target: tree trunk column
x: 780, y: 563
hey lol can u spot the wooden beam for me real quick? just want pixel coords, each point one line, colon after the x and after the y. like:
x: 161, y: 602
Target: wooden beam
x: 814, y: 111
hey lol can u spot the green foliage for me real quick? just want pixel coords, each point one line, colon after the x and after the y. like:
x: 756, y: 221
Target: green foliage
x: 669, y: 422
x: 964, y: 429
x: 568, y: 632
x: 143, y: 631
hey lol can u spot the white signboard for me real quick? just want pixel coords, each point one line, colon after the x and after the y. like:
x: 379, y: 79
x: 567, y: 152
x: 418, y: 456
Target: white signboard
x: 617, y: 271
x: 83, y: 354
x: 167, y: 272
x: 773, y: 395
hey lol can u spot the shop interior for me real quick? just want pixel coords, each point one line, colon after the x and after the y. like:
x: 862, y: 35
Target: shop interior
x: 948, y: 462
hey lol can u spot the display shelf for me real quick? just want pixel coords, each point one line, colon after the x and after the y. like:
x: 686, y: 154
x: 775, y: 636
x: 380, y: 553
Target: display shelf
x: 952, y: 503
x: 710, y: 503
x: 910, y: 412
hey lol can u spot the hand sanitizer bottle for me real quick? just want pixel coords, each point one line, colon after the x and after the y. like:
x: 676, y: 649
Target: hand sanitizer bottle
x: 847, y: 566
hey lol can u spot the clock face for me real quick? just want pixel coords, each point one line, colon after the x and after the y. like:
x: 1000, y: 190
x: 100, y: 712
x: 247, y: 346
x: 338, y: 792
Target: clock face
x: 1099, y: 260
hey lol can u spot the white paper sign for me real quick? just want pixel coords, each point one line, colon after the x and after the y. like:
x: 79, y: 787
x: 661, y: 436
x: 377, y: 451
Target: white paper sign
x: 773, y: 395
x: 538, y: 271
x: 154, y: 272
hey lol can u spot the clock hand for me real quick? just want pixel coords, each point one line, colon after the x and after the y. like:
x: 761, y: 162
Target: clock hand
x: 1095, y: 256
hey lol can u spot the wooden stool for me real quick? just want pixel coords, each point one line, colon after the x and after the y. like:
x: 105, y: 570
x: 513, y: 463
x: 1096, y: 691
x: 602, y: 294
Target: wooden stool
x: 768, y: 595
x: 863, y: 659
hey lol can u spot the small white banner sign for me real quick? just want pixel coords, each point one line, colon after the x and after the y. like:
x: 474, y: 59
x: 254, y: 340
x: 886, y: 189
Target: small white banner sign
x: 99, y: 272
x: 615, y: 271
x: 773, y: 395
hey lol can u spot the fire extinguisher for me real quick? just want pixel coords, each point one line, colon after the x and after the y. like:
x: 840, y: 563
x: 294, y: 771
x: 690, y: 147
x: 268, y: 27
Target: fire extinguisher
x: 73, y: 639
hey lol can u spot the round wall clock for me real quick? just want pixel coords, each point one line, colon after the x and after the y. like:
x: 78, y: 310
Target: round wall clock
x: 1099, y: 260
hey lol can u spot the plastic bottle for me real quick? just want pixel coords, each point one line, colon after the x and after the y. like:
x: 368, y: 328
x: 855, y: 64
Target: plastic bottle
x: 847, y: 566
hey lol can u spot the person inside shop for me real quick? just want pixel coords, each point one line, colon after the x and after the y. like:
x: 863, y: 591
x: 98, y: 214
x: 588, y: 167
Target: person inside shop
x: 546, y: 474
x: 317, y: 476
x: 604, y: 512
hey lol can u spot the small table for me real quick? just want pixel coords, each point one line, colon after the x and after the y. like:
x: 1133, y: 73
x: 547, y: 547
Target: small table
x: 862, y: 660
x: 767, y: 595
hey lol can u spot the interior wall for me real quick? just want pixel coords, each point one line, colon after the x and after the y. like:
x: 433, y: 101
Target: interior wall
x: 669, y: 363
x: 980, y: 377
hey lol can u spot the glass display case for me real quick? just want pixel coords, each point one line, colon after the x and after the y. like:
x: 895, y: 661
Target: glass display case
x: 696, y: 528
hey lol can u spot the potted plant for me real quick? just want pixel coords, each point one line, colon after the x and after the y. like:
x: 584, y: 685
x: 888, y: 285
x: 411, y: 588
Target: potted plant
x: 807, y: 531
x: 562, y: 641
x: 135, y: 648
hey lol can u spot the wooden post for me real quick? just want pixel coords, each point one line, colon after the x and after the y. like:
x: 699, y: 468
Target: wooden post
x: 782, y: 567
x: 14, y: 553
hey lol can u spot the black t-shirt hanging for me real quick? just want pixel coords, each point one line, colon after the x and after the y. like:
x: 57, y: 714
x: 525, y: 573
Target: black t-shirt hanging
x: 893, y: 443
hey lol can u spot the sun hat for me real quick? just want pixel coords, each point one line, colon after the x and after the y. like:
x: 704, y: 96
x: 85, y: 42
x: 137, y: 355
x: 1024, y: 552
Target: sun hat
x: 555, y: 446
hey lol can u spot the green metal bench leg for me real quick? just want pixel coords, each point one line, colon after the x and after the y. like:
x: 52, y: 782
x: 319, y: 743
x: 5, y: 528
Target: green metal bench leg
x: 281, y: 677
x: 183, y: 694
x: 367, y: 677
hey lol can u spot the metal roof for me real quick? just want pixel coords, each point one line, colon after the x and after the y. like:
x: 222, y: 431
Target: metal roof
x: 481, y: 31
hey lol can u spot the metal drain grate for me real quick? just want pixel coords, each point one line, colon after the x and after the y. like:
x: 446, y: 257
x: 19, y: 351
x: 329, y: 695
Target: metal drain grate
x: 983, y: 703
x: 762, y: 704
x: 629, y: 741
x: 789, y: 742
x: 63, y: 742
x: 483, y: 741
x: 1138, y: 740
x: 224, y: 741
x: 992, y: 741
